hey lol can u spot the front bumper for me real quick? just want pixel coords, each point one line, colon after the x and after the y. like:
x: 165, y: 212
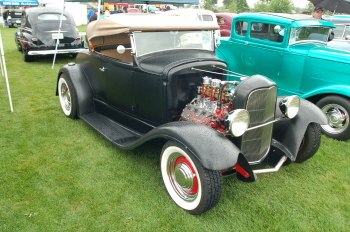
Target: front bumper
x: 59, y: 51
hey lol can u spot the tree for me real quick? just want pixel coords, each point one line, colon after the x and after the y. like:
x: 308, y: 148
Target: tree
x: 242, y: 6
x: 281, y: 6
x: 226, y: 3
x: 261, y: 6
x: 210, y: 4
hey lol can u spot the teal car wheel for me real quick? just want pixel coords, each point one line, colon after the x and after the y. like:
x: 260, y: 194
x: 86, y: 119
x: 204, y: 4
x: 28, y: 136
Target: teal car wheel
x: 337, y: 111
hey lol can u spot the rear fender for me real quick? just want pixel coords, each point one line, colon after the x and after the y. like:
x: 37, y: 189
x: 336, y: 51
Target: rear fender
x: 290, y: 133
x: 81, y: 85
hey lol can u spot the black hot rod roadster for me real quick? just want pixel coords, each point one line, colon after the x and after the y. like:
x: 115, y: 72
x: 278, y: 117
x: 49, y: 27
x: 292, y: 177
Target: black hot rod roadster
x: 149, y: 77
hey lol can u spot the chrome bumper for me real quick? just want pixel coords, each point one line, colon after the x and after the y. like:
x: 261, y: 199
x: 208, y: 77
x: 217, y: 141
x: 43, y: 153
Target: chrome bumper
x: 50, y: 52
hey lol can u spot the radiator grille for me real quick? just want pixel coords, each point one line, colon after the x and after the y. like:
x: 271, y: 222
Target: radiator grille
x: 261, y: 106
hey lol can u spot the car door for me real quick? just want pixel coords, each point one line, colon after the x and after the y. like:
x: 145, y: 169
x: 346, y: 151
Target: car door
x: 113, y: 81
x: 264, y: 50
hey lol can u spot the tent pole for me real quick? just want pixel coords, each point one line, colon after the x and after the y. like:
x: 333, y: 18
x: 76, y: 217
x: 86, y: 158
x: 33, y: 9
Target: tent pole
x: 200, y: 12
x: 58, y: 40
x: 98, y: 9
x: 3, y: 65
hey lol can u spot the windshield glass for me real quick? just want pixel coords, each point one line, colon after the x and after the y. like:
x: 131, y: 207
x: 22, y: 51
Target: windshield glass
x: 149, y: 42
x: 303, y: 34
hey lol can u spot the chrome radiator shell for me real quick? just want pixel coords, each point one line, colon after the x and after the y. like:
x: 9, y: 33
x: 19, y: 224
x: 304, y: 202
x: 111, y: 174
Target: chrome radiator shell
x: 261, y: 105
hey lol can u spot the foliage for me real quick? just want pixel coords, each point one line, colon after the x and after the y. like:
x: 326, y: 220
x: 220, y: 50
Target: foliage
x: 242, y: 6
x: 58, y: 174
x: 210, y: 5
x: 276, y: 6
x: 261, y: 6
x: 281, y: 6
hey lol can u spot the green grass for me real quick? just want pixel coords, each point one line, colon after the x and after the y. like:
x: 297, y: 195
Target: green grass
x: 58, y: 174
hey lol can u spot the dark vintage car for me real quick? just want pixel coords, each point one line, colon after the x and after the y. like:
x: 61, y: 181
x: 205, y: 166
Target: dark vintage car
x: 151, y: 77
x: 225, y: 23
x: 40, y: 30
x: 14, y: 18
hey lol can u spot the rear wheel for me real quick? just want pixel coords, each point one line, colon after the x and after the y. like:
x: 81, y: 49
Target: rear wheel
x: 68, y: 97
x: 337, y: 111
x: 192, y: 187
x: 310, y: 143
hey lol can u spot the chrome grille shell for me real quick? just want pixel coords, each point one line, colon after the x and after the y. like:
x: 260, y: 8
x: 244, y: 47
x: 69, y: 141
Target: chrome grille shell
x: 261, y: 105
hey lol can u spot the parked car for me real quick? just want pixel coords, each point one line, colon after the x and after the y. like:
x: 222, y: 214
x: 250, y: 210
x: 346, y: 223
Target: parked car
x: 225, y: 22
x: 292, y: 51
x: 157, y: 77
x: 14, y: 18
x: 194, y: 14
x: 40, y: 30
x: 341, y: 38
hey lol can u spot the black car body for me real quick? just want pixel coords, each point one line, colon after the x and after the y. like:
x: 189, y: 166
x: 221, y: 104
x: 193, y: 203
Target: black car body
x: 14, y: 18
x: 157, y: 77
x: 40, y: 29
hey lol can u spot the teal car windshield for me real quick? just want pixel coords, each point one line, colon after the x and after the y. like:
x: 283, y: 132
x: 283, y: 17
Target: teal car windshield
x: 149, y: 42
x: 303, y: 34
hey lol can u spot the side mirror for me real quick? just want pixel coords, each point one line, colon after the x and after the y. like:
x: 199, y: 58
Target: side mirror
x: 347, y: 37
x: 121, y: 49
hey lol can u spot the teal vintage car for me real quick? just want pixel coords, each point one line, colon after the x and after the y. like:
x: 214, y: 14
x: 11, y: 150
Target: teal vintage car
x: 292, y: 51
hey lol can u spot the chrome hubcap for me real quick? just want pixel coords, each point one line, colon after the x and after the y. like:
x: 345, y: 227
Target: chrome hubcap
x: 338, y: 118
x: 65, y: 96
x: 183, y: 177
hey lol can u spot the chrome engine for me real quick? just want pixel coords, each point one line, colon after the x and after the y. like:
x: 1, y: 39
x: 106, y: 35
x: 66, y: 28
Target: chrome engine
x: 207, y: 109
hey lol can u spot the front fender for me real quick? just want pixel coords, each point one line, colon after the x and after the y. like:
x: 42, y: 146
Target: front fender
x: 332, y: 89
x: 290, y: 133
x: 81, y: 85
x: 212, y: 149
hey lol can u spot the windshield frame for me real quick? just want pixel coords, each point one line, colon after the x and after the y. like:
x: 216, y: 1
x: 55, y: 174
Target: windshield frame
x: 136, y: 35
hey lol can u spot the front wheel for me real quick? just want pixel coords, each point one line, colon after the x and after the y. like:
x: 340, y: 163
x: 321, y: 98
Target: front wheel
x: 337, y: 111
x: 18, y: 44
x: 191, y: 186
x: 310, y: 143
x: 26, y: 57
x: 68, y: 96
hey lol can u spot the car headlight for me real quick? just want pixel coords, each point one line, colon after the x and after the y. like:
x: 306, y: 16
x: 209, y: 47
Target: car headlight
x: 289, y: 106
x: 237, y: 122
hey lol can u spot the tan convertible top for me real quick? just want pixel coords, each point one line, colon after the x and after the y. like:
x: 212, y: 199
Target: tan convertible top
x: 124, y: 23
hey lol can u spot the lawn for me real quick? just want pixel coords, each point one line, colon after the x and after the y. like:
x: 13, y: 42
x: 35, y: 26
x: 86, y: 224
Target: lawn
x: 58, y: 174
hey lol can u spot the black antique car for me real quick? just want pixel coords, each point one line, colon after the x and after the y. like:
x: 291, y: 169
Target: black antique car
x: 14, y: 18
x: 148, y: 77
x: 40, y: 30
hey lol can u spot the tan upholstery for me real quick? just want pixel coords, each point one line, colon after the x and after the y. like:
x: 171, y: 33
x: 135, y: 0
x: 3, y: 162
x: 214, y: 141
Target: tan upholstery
x: 126, y: 56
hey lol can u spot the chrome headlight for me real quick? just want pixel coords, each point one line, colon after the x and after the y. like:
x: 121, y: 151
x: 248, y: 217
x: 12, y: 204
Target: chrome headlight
x: 289, y: 106
x: 237, y: 122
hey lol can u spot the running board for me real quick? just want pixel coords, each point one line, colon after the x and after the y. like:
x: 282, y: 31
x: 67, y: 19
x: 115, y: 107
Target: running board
x: 116, y: 133
x: 275, y: 169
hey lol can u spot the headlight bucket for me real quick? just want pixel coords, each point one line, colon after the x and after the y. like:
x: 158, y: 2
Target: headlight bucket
x: 289, y: 106
x: 237, y: 122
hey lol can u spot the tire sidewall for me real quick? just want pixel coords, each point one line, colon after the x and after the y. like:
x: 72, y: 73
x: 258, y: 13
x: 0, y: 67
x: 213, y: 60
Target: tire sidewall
x: 72, y: 113
x: 169, y: 149
x: 343, y: 102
